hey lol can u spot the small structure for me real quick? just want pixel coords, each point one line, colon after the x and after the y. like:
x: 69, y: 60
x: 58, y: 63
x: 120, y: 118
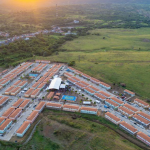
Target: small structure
x: 89, y: 110
x: 125, y: 111
x: 15, y: 91
x: 35, y: 93
x: 100, y: 97
x: 141, y: 103
x: 105, y: 94
x: 40, y: 106
x: 129, y: 92
x: 116, y: 100
x: 2, y: 119
x: 53, y: 105
x: 112, y: 118
x: 89, y: 91
x: 141, y: 120
x: 15, y: 114
x: 50, y: 95
x: 24, y: 104
x: 131, y: 108
x: 18, y: 103
x: 7, y: 123
x: 23, y: 129
x: 127, y: 127
x: 8, y: 112
x: 144, y: 115
x: 111, y: 104
x: 31, y: 118
x: 104, y: 85
x: 72, y: 108
x: 143, y: 137
x: 3, y: 101
x: 27, y: 94
x: 56, y: 98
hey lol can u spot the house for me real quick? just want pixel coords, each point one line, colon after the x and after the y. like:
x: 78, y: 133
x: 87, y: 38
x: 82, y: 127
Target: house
x: 94, y: 88
x: 112, y: 118
x: 15, y: 114
x: 24, y: 104
x: 89, y: 110
x: 15, y: 91
x: 72, y: 81
x: 89, y: 91
x: 141, y: 103
x: 144, y: 115
x: 40, y: 106
x: 116, y: 100
x: 3, y: 101
x: 4, y: 126
x: 2, y: 119
x: 127, y: 127
x: 129, y: 92
x: 50, y: 95
x: 125, y: 111
x: 35, y: 85
x: 18, y: 103
x: 72, y: 108
x: 104, y: 85
x: 8, y: 112
x: 35, y: 93
x: 53, y: 105
x: 111, y: 104
x: 23, y: 129
x: 96, y: 81
x: 23, y: 84
x: 31, y: 118
x: 131, y: 108
x: 143, y: 137
x: 8, y: 91
x: 99, y: 96
x: 105, y: 94
x: 141, y: 120
x: 80, y: 85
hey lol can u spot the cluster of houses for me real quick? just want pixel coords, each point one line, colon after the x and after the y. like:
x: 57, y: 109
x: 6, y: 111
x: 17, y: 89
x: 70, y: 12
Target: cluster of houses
x: 128, y: 128
x: 4, y: 34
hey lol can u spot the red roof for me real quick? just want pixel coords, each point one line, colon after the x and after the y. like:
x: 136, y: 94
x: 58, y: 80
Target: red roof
x: 141, y: 119
x: 89, y: 90
x: 117, y: 100
x: 142, y: 102
x: 100, y: 96
x: 53, y: 104
x: 5, y: 124
x: 112, y: 103
x: 23, y: 127
x: 126, y: 110
x: 40, y: 106
x: 89, y: 108
x: 104, y: 93
x: 113, y: 116
x: 128, y: 126
x: 71, y: 106
x: 144, y: 136
x: 127, y: 91
x: 144, y: 115
x: 130, y: 107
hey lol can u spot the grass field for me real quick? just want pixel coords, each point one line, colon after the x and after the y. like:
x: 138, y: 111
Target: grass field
x: 58, y: 131
x: 115, y: 39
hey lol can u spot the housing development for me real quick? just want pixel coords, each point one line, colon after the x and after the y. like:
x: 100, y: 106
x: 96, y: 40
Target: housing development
x: 29, y: 88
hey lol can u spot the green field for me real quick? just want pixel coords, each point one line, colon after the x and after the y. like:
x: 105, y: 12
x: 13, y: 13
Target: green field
x: 58, y: 131
x: 115, y: 39
x: 112, y: 65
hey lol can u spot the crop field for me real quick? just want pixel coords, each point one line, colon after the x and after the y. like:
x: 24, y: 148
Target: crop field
x: 112, y: 39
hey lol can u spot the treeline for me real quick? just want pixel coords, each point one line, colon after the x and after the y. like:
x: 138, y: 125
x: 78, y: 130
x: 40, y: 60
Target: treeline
x: 42, y: 45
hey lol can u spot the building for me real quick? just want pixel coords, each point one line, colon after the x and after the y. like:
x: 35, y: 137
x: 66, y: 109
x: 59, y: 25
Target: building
x: 72, y: 80
x: 31, y: 118
x: 105, y: 94
x: 40, y: 106
x: 50, y: 95
x: 23, y: 84
x: 131, y: 108
x: 23, y: 129
x: 112, y: 118
x: 80, y: 85
x: 8, y: 112
x: 104, y: 85
x: 3, y: 101
x: 2, y: 119
x: 27, y: 94
x: 96, y: 81
x: 24, y: 104
x: 53, y: 106
x: 141, y: 120
x: 18, y: 103
x: 143, y: 137
x: 41, y: 86
x: 100, y: 97
x: 35, y: 85
x: 116, y: 100
x: 89, y: 91
x: 89, y: 110
x: 94, y: 88
x: 144, y: 115
x: 111, y: 104
x: 129, y: 92
x: 17, y: 83
x: 15, y: 91
x: 55, y: 84
x: 15, y: 114
x: 4, y: 126
x: 125, y: 111
x: 141, y: 103
x: 72, y: 108
x: 8, y: 91
x: 127, y: 127
x: 35, y: 93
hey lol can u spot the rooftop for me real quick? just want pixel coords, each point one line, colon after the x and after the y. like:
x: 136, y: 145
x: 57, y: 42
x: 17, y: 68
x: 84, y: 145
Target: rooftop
x: 89, y: 108
x: 71, y: 106
x: 40, y: 106
x: 113, y: 116
x: 144, y: 136
x: 4, y: 125
x: 23, y: 127
x: 142, y: 102
x: 141, y: 119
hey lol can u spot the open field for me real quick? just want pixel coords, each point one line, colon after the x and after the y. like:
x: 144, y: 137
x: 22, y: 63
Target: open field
x: 115, y: 39
x: 128, y: 67
x: 59, y: 131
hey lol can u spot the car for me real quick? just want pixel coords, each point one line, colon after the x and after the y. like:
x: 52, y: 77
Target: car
x: 34, y: 106
x: 122, y: 115
x: 135, y: 123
